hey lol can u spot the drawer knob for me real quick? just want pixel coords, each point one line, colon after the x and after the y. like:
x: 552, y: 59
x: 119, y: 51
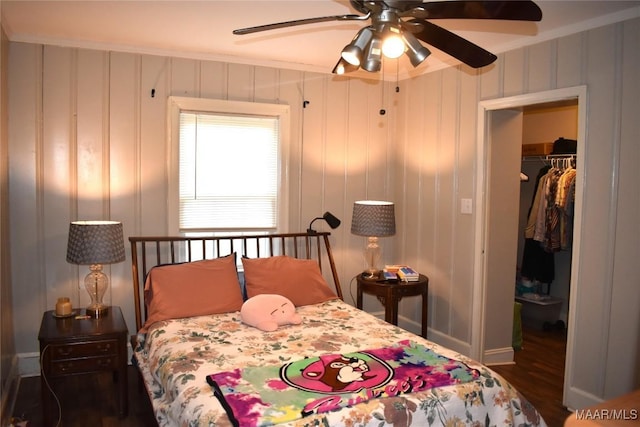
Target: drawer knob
x: 65, y: 351
x: 104, y: 362
x: 66, y: 367
x: 104, y: 347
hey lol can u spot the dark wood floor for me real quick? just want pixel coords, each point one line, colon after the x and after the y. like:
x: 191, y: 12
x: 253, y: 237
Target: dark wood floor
x: 538, y: 374
x: 86, y: 400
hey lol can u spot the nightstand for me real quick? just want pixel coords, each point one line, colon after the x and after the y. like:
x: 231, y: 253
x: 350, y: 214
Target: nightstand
x: 390, y: 294
x: 70, y: 346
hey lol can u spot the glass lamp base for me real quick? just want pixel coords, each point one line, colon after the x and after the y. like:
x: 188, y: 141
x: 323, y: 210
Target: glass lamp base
x: 96, y: 284
x: 372, y: 255
x: 97, y: 311
x: 371, y: 274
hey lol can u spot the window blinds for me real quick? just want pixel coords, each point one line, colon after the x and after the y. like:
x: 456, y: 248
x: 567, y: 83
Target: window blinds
x: 228, y: 171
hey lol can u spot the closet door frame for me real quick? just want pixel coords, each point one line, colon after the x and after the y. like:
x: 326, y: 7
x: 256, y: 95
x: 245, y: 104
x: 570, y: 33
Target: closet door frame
x: 481, y: 299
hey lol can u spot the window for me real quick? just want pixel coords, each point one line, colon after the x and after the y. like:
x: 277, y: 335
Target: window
x: 227, y: 165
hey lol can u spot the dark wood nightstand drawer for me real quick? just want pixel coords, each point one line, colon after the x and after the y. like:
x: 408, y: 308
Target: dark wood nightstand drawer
x: 86, y: 365
x: 86, y: 349
x: 77, y: 346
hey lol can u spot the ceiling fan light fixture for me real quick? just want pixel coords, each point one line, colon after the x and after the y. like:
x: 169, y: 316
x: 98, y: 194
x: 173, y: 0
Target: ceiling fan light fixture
x: 392, y: 45
x: 352, y: 55
x: 339, y: 69
x: 373, y: 58
x: 401, y: 23
x: 343, y: 67
x: 353, y: 52
x: 415, y: 50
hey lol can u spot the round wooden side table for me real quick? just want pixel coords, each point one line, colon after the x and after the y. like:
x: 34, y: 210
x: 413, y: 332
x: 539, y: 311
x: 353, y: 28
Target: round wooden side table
x: 390, y: 294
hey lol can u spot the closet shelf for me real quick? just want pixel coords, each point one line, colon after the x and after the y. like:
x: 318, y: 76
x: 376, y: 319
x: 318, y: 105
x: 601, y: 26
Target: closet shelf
x: 547, y: 157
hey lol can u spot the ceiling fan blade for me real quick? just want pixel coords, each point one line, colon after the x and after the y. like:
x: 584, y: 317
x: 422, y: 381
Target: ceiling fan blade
x: 285, y: 24
x: 452, y: 44
x: 358, y: 5
x: 521, y: 10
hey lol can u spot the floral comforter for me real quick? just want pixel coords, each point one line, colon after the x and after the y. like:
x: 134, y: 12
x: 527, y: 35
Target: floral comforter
x: 176, y: 356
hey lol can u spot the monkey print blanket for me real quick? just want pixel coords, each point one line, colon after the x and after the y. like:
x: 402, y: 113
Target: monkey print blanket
x: 268, y: 395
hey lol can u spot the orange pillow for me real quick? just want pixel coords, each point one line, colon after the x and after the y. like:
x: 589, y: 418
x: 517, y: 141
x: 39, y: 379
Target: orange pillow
x: 192, y: 289
x: 300, y: 280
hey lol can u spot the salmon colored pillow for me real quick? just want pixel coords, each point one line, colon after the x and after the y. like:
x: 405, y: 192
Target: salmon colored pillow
x: 300, y: 280
x: 192, y: 289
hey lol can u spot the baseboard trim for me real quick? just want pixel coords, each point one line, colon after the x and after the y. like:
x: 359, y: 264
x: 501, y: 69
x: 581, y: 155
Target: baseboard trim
x: 444, y: 340
x: 29, y: 364
x: 498, y: 356
x: 449, y: 342
x: 9, y: 393
x: 409, y: 325
x: 575, y: 398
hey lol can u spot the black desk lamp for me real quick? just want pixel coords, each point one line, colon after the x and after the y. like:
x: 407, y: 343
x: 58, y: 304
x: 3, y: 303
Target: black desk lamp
x: 331, y: 220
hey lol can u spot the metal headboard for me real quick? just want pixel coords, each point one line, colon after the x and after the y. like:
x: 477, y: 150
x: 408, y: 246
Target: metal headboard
x: 147, y: 252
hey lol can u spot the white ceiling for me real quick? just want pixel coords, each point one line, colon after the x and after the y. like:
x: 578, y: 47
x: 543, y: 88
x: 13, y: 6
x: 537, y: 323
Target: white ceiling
x: 203, y: 29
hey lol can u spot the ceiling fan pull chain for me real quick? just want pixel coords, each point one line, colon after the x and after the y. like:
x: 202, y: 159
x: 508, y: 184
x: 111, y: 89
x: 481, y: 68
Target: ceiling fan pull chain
x: 382, y: 110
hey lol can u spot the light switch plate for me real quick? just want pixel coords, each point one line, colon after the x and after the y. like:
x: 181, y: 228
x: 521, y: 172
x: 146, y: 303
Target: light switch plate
x: 466, y: 206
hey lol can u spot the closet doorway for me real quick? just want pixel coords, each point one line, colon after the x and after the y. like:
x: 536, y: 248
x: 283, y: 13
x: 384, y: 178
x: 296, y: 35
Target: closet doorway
x: 545, y: 246
x: 500, y: 124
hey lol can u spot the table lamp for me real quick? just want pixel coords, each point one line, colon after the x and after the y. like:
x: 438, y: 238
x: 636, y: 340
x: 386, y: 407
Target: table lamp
x: 373, y: 219
x: 95, y: 243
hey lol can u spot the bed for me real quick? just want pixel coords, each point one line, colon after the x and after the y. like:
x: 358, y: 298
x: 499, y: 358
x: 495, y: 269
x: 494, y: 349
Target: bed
x: 201, y: 365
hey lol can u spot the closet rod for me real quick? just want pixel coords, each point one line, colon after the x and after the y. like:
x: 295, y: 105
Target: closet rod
x: 548, y: 157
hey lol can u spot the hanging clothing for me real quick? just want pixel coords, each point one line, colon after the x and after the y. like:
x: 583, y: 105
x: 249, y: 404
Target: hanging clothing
x: 549, y: 236
x: 537, y: 264
x: 529, y: 230
x: 549, y: 221
x: 549, y: 226
x: 565, y: 201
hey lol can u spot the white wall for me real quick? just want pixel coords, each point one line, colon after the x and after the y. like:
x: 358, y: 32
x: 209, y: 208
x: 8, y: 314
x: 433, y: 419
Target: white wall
x: 87, y: 140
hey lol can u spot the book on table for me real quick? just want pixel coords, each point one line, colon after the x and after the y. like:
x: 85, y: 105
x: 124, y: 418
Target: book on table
x: 390, y: 276
x: 404, y: 272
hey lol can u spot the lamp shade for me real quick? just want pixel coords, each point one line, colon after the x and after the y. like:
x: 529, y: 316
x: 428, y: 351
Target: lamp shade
x: 373, y: 218
x: 331, y: 220
x: 372, y: 60
x: 95, y: 242
x: 415, y: 51
x: 352, y: 53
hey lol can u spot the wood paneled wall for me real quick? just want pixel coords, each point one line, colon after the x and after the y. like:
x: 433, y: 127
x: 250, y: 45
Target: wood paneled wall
x: 437, y: 143
x: 87, y: 140
x: 8, y: 359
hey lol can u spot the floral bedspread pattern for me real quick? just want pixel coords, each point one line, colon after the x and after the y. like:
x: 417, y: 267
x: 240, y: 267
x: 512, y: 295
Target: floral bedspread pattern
x: 274, y: 394
x: 176, y: 356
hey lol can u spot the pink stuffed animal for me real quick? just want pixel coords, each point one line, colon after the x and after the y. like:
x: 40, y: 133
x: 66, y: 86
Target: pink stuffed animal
x: 268, y: 311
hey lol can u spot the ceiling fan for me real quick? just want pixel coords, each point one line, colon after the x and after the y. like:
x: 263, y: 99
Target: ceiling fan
x: 398, y: 26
